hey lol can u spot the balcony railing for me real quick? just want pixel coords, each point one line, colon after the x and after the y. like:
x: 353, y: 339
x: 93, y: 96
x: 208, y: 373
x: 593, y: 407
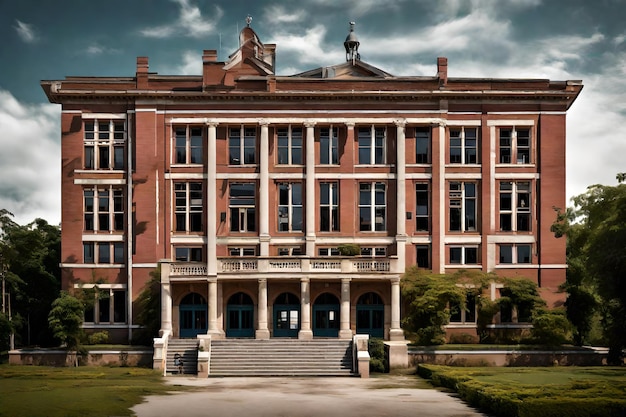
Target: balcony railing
x: 238, y: 266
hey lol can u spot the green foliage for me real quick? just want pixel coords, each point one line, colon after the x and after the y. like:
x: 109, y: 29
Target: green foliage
x: 5, y: 331
x: 65, y: 320
x: 149, y: 305
x: 551, y: 327
x: 349, y: 249
x: 98, y: 338
x: 486, y: 310
x: 376, y: 349
x: 535, y: 392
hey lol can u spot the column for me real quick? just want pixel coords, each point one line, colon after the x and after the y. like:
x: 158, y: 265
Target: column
x: 213, y: 329
x: 166, y: 300
x: 310, y: 189
x: 264, y: 227
x: 401, y: 236
x: 262, y: 331
x: 211, y: 192
x: 344, y: 318
x: 395, y: 333
x: 305, y: 310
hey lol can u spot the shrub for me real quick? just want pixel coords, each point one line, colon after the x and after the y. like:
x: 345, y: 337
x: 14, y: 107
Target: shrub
x: 551, y: 327
x: 98, y: 338
x: 349, y: 249
x: 462, y: 339
x: 376, y: 349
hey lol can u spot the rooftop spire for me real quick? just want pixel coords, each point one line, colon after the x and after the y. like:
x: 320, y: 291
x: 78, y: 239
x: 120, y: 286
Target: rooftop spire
x: 248, y: 20
x: 352, y: 45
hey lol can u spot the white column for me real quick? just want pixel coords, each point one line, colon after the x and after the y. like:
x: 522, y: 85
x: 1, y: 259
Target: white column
x: 211, y: 192
x: 264, y: 227
x: 344, y: 318
x: 166, y: 300
x: 213, y: 329
x: 395, y: 333
x: 310, y: 189
x: 305, y: 310
x: 400, y: 178
x: 262, y: 331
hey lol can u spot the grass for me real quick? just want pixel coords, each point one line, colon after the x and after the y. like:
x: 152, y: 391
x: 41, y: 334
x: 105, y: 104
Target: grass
x: 32, y: 391
x: 554, y: 391
x: 470, y: 347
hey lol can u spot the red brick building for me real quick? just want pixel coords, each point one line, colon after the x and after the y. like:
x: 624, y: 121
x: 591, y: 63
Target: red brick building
x: 245, y: 187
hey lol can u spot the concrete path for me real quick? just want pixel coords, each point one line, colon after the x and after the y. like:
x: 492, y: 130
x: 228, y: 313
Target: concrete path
x: 388, y: 395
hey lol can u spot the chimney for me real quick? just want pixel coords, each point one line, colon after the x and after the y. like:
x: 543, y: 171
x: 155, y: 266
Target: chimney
x: 142, y: 72
x: 442, y: 70
x: 209, y: 55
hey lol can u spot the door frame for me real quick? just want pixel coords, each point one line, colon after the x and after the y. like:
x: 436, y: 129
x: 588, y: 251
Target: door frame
x: 289, y: 308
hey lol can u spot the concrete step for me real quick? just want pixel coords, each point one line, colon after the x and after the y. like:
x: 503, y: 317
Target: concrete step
x: 188, y: 350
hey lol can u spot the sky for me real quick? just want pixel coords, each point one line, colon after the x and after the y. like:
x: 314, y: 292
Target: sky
x: 556, y: 39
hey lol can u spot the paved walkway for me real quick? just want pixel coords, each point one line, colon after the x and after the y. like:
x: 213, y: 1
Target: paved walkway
x: 388, y: 395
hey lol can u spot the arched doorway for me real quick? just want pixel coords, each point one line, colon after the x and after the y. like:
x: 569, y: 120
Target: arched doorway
x: 326, y: 316
x: 370, y: 315
x: 286, y: 315
x: 239, y: 316
x: 193, y: 315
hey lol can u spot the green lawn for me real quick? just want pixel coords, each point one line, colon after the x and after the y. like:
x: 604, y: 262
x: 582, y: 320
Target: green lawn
x: 536, y: 392
x: 84, y: 391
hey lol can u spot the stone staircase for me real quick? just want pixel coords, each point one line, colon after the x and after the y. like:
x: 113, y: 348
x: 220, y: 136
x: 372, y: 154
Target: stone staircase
x: 188, y: 349
x: 281, y: 357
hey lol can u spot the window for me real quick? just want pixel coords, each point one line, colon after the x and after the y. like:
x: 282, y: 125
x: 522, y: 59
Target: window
x: 242, y: 145
x: 372, y: 207
x: 458, y: 314
x: 104, y: 144
x: 189, y: 201
x: 329, y: 154
x: 422, y: 199
x: 188, y: 254
x: 188, y: 144
x: 462, y: 206
x: 515, y: 146
x: 371, y: 145
x: 422, y: 145
x: 289, y: 207
x: 329, y: 206
x: 515, y: 254
x: 103, y: 253
x: 109, y: 303
x: 328, y: 252
x: 515, y: 206
x: 105, y: 214
x: 514, y: 313
x: 291, y: 251
x: 289, y: 145
x: 245, y: 251
x: 374, y: 252
x: 463, y: 146
x: 423, y: 256
x: 242, y: 204
x: 463, y: 255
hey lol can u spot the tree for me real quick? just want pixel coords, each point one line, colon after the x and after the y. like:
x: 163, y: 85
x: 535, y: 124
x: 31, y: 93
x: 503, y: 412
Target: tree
x: 596, y: 228
x: 149, y: 306
x: 66, y: 319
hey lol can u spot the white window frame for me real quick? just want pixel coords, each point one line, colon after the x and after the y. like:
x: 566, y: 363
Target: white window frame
x: 189, y: 145
x: 518, y: 205
x: 193, y: 208
x: 323, y: 252
x: 111, y: 305
x: 286, y: 210
x: 464, y: 313
x: 330, y: 135
x: 419, y: 131
x: 113, y: 195
x: 421, y: 215
x: 464, y: 148
x: 189, y: 255
x: 514, y: 157
x: 375, y: 133
x: 374, y: 251
x: 459, y: 198
x: 373, y: 207
x: 108, y: 139
x: 515, y: 253
x: 287, y: 139
x: 242, y: 210
x: 244, y: 133
x: 464, y: 249
x: 112, y: 248
x: 332, y: 205
x: 243, y: 251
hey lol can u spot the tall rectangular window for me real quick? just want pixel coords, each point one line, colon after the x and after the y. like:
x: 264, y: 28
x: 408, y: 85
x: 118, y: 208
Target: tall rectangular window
x: 189, y: 204
x: 422, y: 207
x: 188, y: 145
x: 329, y: 142
x: 422, y: 145
x: 464, y: 315
x: 464, y: 145
x: 515, y: 206
x: 103, y: 252
x: 104, y: 144
x: 242, y: 145
x: 463, y: 206
x: 329, y: 206
x: 423, y: 256
x: 515, y: 146
x: 372, y: 145
x: 242, y: 205
x: 108, y: 303
x: 103, y: 209
x: 515, y: 254
x: 464, y: 255
x: 372, y: 207
x: 289, y: 145
x: 290, y: 207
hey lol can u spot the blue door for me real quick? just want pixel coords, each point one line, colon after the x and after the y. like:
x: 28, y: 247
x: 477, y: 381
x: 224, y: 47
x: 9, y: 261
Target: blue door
x: 326, y: 316
x: 193, y: 315
x: 240, y: 316
x: 286, y: 315
x: 370, y: 315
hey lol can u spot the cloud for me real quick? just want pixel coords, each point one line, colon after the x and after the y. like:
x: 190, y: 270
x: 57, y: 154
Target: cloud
x: 190, y: 23
x: 190, y: 63
x: 97, y: 49
x: 30, y: 161
x: 308, y: 48
x: 278, y: 14
x: 25, y: 31
x: 618, y: 40
x: 358, y: 8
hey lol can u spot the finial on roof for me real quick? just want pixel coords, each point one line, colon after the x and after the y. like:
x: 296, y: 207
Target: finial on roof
x: 248, y: 20
x: 352, y: 45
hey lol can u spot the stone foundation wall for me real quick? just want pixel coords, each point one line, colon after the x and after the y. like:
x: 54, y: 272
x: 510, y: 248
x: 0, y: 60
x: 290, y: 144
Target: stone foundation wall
x: 45, y: 357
